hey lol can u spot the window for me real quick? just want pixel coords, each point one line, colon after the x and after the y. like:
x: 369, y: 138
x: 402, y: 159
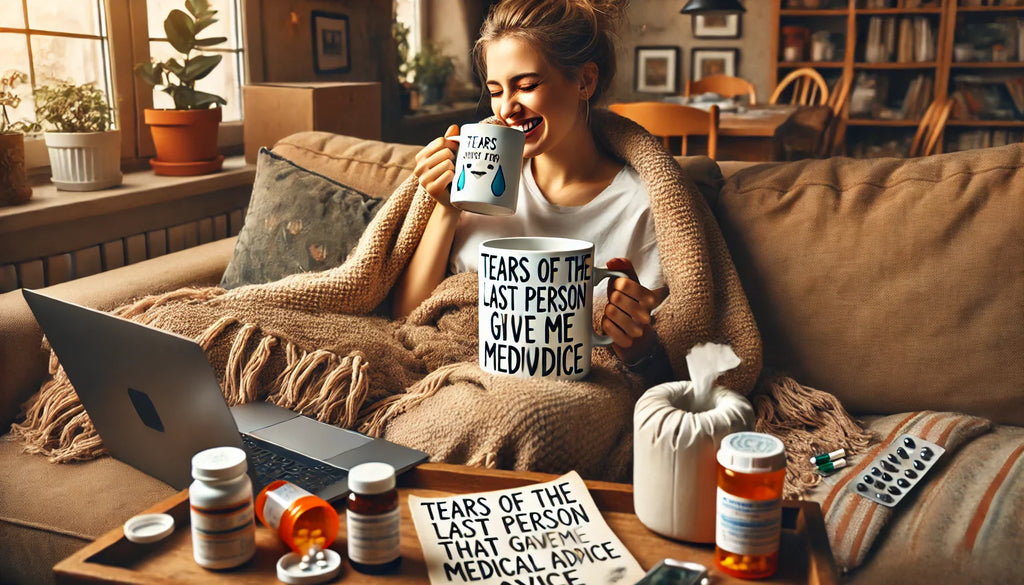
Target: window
x: 54, y: 41
x: 94, y: 41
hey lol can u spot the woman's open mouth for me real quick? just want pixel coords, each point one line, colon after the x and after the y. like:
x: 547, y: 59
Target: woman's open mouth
x: 527, y: 126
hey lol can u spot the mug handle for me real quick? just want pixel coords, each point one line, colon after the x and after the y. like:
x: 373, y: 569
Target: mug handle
x: 599, y: 275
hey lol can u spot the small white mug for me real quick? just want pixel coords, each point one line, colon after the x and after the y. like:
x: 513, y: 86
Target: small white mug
x: 487, y: 168
x: 536, y: 307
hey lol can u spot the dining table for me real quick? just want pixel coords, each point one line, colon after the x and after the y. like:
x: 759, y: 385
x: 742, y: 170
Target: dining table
x: 745, y: 132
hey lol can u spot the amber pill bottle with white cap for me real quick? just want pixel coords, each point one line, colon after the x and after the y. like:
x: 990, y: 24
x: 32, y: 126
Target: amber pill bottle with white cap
x: 373, y: 519
x: 748, y: 514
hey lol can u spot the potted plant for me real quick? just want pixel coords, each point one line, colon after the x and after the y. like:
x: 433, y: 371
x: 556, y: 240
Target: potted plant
x: 14, y: 186
x: 186, y: 136
x: 85, y: 154
x: 400, y: 33
x: 432, y: 68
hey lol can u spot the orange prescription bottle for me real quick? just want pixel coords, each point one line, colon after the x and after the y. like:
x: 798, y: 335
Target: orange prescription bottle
x: 301, y: 519
x: 748, y: 514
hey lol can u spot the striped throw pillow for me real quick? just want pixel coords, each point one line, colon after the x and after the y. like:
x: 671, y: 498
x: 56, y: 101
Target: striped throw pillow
x: 852, y: 521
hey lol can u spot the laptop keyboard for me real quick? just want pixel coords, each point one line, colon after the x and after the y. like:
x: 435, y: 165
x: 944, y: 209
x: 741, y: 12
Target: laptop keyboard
x: 268, y: 463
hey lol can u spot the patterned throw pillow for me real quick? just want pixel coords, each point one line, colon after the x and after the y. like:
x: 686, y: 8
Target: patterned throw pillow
x: 298, y: 221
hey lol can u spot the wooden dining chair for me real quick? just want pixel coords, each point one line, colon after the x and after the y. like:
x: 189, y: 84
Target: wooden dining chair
x: 929, y: 130
x: 808, y: 88
x: 726, y: 86
x: 667, y: 120
x: 833, y: 136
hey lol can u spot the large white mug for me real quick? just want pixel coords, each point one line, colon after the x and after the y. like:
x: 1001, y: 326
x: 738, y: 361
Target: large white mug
x: 536, y: 307
x: 487, y: 168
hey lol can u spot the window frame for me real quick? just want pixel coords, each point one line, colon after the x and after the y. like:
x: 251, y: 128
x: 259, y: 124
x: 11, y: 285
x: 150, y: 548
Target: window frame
x: 127, y: 31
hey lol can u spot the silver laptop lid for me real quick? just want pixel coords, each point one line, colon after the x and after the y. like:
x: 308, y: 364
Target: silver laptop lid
x: 152, y: 395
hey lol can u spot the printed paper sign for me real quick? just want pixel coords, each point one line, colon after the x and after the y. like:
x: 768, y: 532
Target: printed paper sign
x: 543, y: 534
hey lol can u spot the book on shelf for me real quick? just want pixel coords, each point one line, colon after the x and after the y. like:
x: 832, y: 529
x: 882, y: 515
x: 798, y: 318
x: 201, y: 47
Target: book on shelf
x: 903, y: 40
x: 918, y: 97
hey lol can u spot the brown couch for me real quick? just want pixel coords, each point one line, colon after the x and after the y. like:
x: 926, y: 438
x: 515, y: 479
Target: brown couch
x: 898, y: 286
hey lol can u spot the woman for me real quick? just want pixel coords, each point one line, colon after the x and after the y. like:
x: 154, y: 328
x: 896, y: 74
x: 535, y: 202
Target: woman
x: 545, y: 62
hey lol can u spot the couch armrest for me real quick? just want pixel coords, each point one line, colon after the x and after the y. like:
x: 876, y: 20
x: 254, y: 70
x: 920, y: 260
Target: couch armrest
x: 24, y: 364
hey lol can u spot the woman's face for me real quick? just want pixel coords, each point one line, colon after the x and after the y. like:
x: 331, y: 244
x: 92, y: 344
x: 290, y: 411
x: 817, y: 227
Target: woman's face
x: 529, y: 94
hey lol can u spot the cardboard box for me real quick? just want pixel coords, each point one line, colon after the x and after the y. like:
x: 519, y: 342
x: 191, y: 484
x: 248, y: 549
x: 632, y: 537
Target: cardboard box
x: 275, y: 110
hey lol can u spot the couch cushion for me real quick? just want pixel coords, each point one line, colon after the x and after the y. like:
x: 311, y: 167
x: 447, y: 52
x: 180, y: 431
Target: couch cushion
x: 297, y: 221
x: 48, y: 511
x: 896, y: 285
x: 375, y: 168
x: 963, y: 524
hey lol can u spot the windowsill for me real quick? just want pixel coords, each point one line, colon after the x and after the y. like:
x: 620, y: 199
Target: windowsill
x: 49, y: 205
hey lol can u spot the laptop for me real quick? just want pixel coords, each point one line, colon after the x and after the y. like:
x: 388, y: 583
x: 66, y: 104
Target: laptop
x: 155, y: 401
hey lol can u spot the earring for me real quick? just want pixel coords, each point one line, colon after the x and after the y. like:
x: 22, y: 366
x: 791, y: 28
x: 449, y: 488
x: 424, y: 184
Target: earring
x: 586, y: 104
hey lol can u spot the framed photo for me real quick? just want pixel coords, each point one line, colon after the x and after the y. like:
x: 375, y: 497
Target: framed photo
x: 656, y: 69
x: 330, y: 42
x: 716, y: 26
x: 706, y: 62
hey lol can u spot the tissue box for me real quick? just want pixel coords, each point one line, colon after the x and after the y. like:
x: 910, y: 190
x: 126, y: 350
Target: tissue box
x: 275, y: 110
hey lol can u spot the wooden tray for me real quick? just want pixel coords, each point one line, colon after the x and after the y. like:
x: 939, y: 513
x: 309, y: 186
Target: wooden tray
x: 805, y: 556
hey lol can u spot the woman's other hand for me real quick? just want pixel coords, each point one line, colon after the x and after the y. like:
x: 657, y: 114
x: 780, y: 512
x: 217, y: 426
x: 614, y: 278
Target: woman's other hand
x: 435, y: 166
x: 627, y: 317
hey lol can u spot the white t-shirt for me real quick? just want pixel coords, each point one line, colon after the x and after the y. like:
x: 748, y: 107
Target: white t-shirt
x: 618, y: 221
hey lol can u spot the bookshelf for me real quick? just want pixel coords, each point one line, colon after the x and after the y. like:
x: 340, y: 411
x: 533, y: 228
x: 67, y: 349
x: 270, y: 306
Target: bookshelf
x: 901, y: 55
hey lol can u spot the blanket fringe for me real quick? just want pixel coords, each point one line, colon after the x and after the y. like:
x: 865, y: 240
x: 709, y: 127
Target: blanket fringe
x: 808, y: 422
x: 384, y: 411
x: 323, y: 385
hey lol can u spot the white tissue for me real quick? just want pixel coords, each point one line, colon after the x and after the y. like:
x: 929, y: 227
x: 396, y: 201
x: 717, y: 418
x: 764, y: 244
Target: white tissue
x: 706, y: 361
x: 677, y: 428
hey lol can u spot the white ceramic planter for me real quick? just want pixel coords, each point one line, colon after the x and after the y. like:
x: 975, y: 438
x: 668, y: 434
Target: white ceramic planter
x: 86, y: 161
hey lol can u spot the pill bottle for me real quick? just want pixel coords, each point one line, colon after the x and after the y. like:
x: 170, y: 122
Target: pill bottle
x: 373, y: 519
x: 302, y: 520
x: 748, y: 514
x: 220, y: 502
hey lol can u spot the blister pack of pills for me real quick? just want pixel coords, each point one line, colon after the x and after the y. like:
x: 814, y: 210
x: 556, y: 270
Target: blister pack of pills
x: 897, y: 470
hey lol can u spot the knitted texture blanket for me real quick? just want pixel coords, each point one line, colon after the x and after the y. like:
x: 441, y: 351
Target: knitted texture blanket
x: 319, y: 344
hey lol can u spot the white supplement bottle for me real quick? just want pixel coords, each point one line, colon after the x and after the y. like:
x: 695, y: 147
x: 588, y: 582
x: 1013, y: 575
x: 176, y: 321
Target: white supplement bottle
x: 220, y: 498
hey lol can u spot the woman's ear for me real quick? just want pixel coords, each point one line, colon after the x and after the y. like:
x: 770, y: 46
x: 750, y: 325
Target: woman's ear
x: 588, y: 78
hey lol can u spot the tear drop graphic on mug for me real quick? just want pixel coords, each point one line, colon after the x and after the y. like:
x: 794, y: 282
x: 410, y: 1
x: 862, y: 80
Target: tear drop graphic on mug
x: 488, y: 165
x: 536, y: 307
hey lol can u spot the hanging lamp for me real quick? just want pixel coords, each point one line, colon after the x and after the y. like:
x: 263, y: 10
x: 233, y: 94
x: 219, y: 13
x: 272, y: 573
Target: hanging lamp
x: 712, y: 6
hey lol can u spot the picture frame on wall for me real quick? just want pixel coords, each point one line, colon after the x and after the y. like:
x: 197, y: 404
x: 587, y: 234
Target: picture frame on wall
x: 716, y: 26
x: 330, y: 42
x: 657, y: 69
x: 706, y: 61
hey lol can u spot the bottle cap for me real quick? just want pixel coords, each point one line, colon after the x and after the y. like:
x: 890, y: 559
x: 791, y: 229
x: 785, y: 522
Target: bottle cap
x: 146, y: 528
x: 294, y: 570
x: 218, y: 463
x: 371, y: 478
x: 747, y: 452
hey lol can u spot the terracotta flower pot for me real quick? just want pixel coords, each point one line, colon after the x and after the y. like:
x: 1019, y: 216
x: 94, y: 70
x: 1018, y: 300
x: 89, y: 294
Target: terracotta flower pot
x: 14, y: 187
x: 185, y: 140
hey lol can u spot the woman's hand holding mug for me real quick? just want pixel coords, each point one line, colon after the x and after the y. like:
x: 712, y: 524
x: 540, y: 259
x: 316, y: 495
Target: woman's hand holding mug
x: 435, y: 166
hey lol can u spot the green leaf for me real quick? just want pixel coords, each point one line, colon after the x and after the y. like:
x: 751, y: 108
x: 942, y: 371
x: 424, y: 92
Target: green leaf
x: 180, y: 33
x: 172, y: 66
x: 200, y: 67
x: 204, y: 100
x: 202, y: 23
x: 199, y: 8
x: 151, y: 73
x: 210, y: 41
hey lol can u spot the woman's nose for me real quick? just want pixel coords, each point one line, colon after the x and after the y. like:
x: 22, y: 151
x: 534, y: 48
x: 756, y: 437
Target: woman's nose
x: 507, y: 108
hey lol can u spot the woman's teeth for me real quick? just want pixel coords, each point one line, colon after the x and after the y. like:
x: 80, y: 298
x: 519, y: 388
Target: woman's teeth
x: 527, y: 125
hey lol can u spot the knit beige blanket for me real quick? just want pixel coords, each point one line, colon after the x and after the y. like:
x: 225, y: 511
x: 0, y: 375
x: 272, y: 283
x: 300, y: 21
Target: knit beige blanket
x: 318, y: 343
